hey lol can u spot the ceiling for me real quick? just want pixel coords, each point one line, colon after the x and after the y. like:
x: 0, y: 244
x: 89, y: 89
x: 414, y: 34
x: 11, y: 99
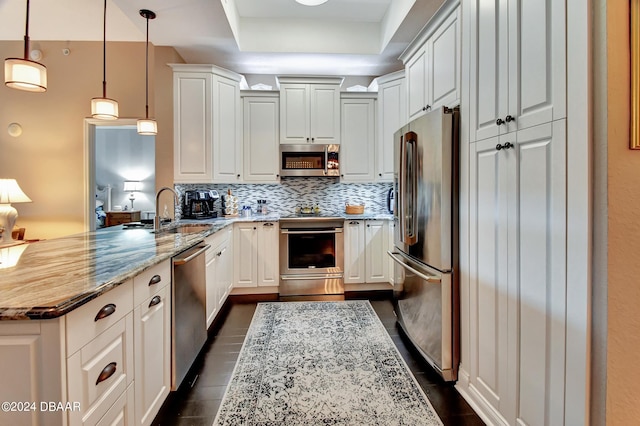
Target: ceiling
x: 340, y: 37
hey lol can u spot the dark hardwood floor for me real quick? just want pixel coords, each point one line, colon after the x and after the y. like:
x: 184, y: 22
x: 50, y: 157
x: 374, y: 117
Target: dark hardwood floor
x: 196, y: 403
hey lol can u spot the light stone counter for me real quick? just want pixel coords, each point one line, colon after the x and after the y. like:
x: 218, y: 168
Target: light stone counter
x: 56, y: 276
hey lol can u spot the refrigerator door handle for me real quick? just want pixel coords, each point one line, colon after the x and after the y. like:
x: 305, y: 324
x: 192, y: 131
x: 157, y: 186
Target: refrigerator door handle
x: 429, y: 278
x: 411, y: 188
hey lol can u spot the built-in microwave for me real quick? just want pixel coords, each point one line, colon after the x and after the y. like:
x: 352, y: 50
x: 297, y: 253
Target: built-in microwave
x: 309, y: 160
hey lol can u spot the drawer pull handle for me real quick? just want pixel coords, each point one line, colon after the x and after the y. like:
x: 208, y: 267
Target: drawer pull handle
x: 106, y: 372
x: 155, y: 301
x: 155, y: 279
x: 105, y: 311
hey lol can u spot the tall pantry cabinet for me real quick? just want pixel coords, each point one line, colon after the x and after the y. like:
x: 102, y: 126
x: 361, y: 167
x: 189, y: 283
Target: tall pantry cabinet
x: 513, y: 367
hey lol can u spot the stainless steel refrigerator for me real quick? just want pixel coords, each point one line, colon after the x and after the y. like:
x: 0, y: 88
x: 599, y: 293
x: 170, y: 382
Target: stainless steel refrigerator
x: 426, y: 292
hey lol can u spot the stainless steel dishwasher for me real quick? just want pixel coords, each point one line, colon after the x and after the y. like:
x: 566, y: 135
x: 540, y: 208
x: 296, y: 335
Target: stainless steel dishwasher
x: 188, y: 315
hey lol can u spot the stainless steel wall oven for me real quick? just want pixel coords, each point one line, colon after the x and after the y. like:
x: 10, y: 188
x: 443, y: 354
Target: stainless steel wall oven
x: 311, y: 256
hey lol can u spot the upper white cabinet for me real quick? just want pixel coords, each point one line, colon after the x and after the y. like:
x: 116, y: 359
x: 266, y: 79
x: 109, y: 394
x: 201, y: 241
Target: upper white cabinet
x: 309, y: 110
x: 432, y: 64
x: 358, y: 135
x: 517, y: 65
x: 207, y: 124
x: 392, y: 115
x: 261, y: 137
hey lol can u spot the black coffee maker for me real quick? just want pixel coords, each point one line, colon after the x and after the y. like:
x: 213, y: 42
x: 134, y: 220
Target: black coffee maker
x: 199, y: 204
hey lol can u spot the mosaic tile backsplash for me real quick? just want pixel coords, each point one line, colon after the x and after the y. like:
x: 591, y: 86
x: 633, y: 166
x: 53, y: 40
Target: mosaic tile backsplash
x: 283, y: 197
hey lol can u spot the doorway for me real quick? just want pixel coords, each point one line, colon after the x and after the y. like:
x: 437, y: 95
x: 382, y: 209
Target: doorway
x: 115, y: 154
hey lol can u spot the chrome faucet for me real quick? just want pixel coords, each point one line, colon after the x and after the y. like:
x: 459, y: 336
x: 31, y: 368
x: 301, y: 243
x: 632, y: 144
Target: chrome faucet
x: 157, y: 224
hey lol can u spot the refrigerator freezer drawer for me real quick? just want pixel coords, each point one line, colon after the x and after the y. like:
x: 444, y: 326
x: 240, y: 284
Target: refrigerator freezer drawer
x: 426, y: 306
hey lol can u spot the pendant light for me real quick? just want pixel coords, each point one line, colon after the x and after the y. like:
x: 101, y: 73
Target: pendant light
x: 24, y: 74
x: 311, y: 2
x: 148, y: 126
x: 104, y: 108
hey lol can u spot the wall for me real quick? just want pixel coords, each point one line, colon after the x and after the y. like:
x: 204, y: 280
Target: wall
x: 48, y: 158
x: 623, y: 338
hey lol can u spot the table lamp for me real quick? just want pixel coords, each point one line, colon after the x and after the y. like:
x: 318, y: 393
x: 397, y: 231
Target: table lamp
x: 10, y: 192
x: 132, y: 186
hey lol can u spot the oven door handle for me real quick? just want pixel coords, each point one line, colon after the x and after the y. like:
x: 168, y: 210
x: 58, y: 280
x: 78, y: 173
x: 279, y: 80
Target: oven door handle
x: 328, y: 231
x: 310, y: 277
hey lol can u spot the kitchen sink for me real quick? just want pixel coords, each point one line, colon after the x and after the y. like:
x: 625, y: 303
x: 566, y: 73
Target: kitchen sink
x: 184, y: 228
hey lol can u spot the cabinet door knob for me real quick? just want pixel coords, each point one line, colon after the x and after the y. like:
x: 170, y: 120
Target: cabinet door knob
x: 313, y: 140
x: 155, y: 280
x: 307, y: 139
x: 508, y: 145
x: 155, y: 301
x: 498, y: 147
x: 509, y: 118
x: 499, y: 121
x: 238, y: 176
x: 106, y: 372
x: 105, y: 311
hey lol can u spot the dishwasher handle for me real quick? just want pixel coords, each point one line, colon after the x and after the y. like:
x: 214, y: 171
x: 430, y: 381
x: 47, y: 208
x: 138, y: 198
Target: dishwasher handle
x: 189, y: 255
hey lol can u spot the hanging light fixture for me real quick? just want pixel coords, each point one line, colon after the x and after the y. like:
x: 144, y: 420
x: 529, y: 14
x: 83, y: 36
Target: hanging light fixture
x: 311, y: 2
x: 104, y: 108
x: 148, y: 126
x: 24, y: 74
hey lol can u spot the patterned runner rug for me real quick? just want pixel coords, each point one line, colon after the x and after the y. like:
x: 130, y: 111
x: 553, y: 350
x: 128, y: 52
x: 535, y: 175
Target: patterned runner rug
x: 322, y: 363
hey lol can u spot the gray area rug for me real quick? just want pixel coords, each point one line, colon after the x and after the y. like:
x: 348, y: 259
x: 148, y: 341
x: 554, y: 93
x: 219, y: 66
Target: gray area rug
x: 322, y: 363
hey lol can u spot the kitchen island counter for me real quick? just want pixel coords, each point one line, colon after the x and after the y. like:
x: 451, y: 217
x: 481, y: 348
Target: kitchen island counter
x: 53, y: 277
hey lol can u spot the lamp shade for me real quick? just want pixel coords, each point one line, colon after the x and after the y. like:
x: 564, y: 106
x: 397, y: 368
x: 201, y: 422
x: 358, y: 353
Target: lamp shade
x: 311, y: 2
x: 132, y: 185
x: 24, y: 74
x: 104, y: 108
x: 10, y: 192
x: 147, y: 127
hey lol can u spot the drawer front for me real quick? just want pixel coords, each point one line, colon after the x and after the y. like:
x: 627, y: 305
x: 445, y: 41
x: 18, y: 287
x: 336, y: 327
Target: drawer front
x: 99, y: 373
x: 94, y: 317
x: 121, y: 412
x: 149, y: 282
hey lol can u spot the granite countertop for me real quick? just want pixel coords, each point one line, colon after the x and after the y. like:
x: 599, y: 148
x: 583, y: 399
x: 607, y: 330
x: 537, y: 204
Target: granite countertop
x: 53, y: 277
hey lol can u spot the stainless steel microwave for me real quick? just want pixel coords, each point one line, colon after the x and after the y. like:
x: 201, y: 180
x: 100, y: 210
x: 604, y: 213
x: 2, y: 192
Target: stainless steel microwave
x: 310, y: 160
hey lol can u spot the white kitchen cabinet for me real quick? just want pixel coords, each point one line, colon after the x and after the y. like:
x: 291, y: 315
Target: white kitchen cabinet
x: 227, y: 130
x: 152, y: 348
x: 366, y: 243
x: 376, y: 247
x: 392, y: 115
x: 261, y: 138
x: 310, y: 110
x: 358, y: 139
x: 100, y: 372
x: 219, y: 272
x: 207, y: 124
x: 517, y: 65
x: 432, y: 64
x: 256, y: 254
x: 268, y: 254
x: 517, y: 294
x: 224, y: 268
x: 192, y: 127
x: 152, y: 340
x: 354, y: 249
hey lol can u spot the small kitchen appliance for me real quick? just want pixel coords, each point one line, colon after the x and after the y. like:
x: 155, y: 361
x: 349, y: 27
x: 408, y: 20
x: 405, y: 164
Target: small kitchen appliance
x: 199, y: 204
x: 310, y: 160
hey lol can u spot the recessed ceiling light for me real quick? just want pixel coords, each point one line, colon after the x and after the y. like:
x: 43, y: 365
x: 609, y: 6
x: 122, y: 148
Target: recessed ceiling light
x: 311, y: 2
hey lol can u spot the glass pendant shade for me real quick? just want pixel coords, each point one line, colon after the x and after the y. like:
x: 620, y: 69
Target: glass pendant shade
x: 104, y: 108
x: 24, y: 74
x: 311, y: 2
x: 147, y: 127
